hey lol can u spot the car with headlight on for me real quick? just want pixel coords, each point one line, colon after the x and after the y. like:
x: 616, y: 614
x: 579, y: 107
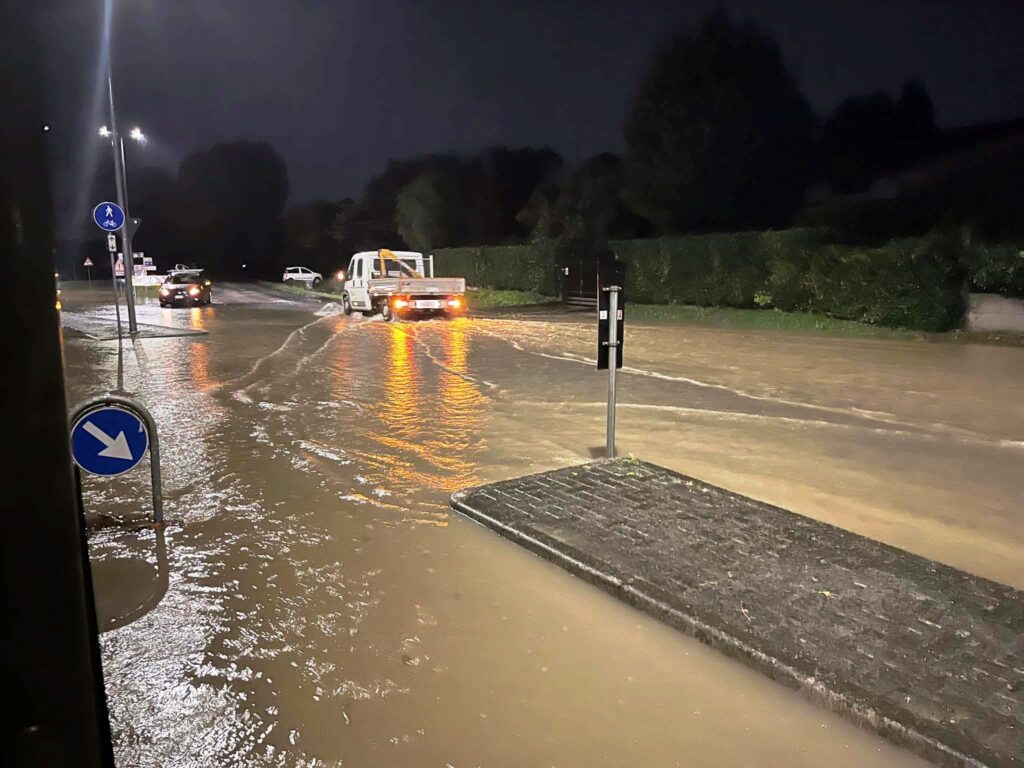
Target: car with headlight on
x: 400, y: 285
x: 185, y: 289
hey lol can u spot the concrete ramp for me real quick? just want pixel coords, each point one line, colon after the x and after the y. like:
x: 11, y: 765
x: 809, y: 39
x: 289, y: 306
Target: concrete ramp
x: 927, y: 656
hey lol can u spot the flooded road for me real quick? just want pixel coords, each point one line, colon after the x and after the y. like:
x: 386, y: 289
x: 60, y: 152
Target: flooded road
x: 317, y: 604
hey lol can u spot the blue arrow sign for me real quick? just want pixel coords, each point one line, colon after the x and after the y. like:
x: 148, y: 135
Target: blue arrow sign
x: 109, y: 440
x: 108, y: 216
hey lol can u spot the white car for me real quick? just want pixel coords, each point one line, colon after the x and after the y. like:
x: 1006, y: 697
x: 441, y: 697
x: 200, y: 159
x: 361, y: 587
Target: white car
x: 183, y: 269
x: 302, y: 275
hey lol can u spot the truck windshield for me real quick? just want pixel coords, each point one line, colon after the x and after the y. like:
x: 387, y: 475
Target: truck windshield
x: 394, y: 268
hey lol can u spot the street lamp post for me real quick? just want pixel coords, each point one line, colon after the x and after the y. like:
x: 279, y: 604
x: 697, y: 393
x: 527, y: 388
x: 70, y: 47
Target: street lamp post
x: 122, y: 200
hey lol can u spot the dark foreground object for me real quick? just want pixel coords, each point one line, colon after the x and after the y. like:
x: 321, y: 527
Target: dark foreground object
x: 928, y: 656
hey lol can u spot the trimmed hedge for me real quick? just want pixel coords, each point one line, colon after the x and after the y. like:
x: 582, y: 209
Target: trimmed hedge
x: 914, y: 283
x: 505, y: 267
x: 708, y: 270
x: 996, y: 268
x: 918, y: 283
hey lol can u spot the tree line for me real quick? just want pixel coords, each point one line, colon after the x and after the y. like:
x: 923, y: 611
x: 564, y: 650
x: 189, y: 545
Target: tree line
x: 718, y: 138
x: 222, y: 210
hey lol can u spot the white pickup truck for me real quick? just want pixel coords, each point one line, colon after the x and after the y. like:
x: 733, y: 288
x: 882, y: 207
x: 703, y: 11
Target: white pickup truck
x: 398, y: 284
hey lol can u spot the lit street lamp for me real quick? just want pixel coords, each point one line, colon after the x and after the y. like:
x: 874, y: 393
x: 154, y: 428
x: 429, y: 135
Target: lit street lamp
x: 135, y: 133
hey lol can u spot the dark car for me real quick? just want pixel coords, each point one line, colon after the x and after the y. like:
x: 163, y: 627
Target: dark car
x: 185, y: 288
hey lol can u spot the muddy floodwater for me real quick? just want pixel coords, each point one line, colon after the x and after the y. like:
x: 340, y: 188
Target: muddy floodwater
x: 316, y: 603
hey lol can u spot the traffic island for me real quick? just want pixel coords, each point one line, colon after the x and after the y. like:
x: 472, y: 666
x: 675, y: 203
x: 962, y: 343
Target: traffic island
x: 927, y: 656
x: 98, y: 328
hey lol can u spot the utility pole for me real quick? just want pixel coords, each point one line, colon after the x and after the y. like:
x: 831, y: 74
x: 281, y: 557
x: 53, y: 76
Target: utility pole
x: 122, y: 200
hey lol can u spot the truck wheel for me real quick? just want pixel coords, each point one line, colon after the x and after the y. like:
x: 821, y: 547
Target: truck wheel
x: 346, y: 304
x: 386, y: 312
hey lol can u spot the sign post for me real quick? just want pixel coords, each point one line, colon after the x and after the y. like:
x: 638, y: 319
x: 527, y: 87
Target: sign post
x: 610, y: 336
x: 109, y: 217
x: 613, y: 364
x: 110, y: 436
x: 88, y: 269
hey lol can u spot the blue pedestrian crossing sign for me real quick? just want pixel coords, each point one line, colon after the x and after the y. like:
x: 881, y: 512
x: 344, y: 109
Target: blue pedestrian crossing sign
x: 109, y: 440
x: 108, y: 216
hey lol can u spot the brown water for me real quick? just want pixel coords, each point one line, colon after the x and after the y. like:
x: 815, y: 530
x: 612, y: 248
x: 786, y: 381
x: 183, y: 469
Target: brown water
x: 323, y: 607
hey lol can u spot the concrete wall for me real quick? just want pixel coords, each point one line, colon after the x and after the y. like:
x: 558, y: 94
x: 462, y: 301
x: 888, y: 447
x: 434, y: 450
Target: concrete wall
x: 991, y: 312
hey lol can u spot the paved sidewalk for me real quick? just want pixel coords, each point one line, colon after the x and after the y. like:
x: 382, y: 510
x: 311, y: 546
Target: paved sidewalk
x: 928, y: 656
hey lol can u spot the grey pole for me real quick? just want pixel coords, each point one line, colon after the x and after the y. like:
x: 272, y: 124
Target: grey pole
x: 613, y: 359
x: 122, y: 200
x: 117, y: 304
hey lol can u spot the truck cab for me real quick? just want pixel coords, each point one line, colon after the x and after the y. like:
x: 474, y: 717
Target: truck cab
x: 400, y: 284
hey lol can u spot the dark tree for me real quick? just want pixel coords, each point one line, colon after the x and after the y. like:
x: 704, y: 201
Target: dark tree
x: 501, y: 182
x: 152, y: 195
x: 584, y: 204
x: 719, y: 136
x: 427, y: 209
x: 868, y: 136
x: 435, y: 200
x: 369, y: 224
x: 916, y: 111
x: 230, y: 199
x: 308, y: 229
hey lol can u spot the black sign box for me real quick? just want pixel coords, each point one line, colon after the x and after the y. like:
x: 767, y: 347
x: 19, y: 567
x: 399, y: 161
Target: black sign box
x: 612, y: 273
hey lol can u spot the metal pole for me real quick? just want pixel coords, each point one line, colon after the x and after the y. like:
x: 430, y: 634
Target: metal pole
x: 117, y: 305
x: 613, y: 359
x: 122, y: 200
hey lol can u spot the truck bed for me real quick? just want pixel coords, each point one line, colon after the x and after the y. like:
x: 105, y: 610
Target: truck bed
x: 417, y: 286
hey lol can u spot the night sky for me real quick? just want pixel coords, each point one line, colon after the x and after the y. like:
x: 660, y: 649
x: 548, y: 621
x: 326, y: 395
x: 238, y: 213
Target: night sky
x: 340, y: 87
